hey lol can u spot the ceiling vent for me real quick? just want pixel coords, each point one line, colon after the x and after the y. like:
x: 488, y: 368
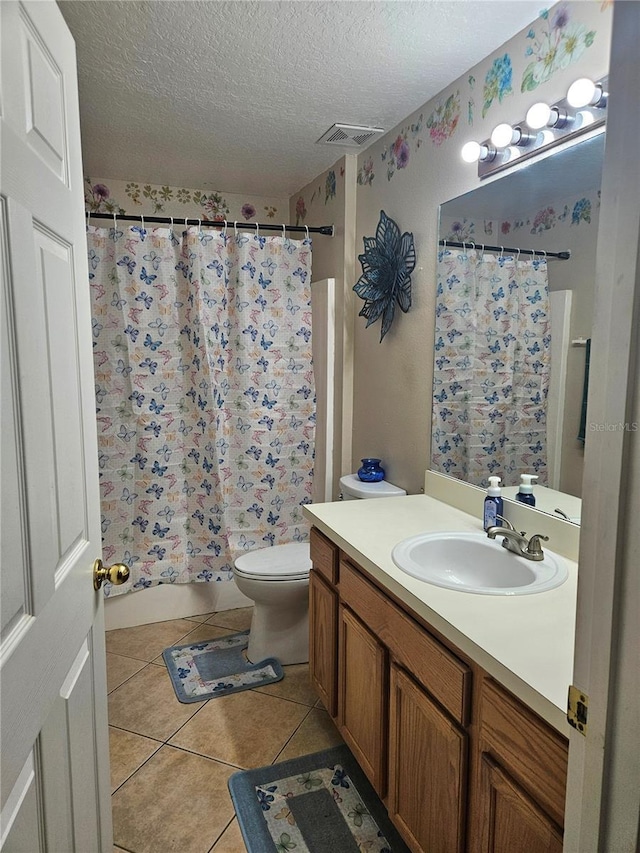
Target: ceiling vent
x: 349, y: 135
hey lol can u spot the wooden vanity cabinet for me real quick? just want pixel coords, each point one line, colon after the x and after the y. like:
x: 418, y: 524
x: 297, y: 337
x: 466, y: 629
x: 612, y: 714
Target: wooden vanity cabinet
x: 460, y: 771
x: 402, y: 702
x: 323, y: 621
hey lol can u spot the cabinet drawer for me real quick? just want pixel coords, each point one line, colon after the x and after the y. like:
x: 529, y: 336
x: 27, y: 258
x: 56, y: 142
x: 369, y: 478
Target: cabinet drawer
x: 324, y: 555
x: 446, y: 678
x: 533, y: 753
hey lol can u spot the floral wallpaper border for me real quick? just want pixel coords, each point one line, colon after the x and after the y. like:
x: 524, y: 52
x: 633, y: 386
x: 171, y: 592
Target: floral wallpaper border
x: 135, y: 198
x: 325, y: 187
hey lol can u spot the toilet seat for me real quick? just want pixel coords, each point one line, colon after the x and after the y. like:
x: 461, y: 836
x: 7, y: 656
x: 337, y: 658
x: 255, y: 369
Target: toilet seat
x: 280, y: 563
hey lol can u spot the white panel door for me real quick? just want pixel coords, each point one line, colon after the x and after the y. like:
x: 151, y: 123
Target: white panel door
x: 54, y: 772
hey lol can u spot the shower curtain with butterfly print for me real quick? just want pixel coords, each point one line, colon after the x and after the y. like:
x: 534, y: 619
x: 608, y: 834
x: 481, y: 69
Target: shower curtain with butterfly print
x: 205, y: 397
x: 492, y: 366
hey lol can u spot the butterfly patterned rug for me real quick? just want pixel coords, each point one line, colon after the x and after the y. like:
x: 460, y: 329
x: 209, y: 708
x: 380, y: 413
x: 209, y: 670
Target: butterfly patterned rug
x: 320, y: 803
x: 217, y: 667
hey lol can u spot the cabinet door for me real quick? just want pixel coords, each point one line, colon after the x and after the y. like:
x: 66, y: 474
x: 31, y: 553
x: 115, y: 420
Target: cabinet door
x: 362, y: 697
x: 427, y: 770
x: 323, y: 641
x: 511, y: 820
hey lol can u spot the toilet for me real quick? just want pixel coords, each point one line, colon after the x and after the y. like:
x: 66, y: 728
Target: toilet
x: 276, y: 579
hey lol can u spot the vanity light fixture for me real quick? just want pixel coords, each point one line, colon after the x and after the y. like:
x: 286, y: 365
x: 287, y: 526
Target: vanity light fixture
x: 545, y: 125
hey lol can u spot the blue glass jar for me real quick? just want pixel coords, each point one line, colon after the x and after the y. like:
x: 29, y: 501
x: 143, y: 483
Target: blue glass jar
x: 370, y: 471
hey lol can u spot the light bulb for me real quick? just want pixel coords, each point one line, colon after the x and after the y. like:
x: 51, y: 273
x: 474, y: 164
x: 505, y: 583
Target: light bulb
x: 471, y: 152
x: 538, y: 115
x: 502, y: 135
x: 583, y: 93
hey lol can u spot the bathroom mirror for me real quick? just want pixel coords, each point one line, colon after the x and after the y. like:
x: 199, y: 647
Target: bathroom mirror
x: 481, y: 424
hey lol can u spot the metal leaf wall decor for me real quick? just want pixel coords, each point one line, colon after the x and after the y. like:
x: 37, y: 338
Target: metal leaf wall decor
x: 387, y: 263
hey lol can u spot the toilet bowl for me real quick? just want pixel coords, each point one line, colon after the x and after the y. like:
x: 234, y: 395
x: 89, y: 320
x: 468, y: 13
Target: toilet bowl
x: 277, y: 581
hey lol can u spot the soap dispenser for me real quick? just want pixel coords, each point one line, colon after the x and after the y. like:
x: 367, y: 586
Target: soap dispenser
x: 492, y: 504
x: 525, y: 492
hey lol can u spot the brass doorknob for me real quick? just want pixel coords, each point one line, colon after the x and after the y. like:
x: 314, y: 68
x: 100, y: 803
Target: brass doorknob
x: 117, y: 573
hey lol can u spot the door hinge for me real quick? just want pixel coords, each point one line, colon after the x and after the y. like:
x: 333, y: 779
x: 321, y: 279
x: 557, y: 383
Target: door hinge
x: 577, y: 709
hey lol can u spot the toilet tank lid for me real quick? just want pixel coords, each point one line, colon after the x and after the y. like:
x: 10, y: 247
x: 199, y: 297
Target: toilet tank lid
x: 352, y: 485
x: 277, y: 561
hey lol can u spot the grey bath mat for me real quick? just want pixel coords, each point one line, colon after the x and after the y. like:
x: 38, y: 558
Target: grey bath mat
x: 217, y: 667
x: 320, y: 803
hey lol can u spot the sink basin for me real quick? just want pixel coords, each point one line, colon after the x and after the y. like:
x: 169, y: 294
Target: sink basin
x: 471, y: 562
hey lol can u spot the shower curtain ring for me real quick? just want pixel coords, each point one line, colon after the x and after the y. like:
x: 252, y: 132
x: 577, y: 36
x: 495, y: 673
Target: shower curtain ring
x: 306, y: 231
x: 501, y: 251
x: 142, y: 221
x: 518, y: 256
x: 235, y: 227
x: 284, y: 232
x: 224, y: 230
x: 257, y: 230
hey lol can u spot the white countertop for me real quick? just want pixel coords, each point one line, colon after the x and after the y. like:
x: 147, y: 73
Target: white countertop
x: 524, y: 641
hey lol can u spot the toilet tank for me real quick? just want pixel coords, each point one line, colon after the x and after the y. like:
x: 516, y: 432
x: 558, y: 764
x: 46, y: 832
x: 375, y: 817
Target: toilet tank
x: 352, y: 488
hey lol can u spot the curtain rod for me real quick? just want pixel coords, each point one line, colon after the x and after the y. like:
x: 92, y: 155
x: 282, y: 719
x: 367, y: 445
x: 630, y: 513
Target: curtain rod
x: 217, y: 223
x: 563, y: 256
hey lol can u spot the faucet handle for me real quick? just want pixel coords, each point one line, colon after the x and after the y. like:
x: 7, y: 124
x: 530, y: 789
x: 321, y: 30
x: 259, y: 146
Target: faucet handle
x: 506, y: 523
x: 534, y: 549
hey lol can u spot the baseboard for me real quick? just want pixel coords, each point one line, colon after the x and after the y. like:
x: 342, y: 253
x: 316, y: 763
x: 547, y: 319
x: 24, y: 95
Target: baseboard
x: 171, y: 601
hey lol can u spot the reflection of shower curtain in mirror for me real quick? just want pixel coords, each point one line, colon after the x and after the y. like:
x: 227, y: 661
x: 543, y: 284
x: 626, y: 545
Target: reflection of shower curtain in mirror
x: 492, y: 366
x: 205, y: 397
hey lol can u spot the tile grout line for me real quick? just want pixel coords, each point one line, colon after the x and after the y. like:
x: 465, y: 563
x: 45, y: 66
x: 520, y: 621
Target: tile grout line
x: 133, y: 675
x: 132, y: 774
x: 223, y: 832
x: 208, y: 757
x: 137, y: 734
x: 284, y: 746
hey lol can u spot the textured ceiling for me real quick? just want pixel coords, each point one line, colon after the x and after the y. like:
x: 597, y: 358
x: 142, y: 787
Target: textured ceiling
x: 233, y: 94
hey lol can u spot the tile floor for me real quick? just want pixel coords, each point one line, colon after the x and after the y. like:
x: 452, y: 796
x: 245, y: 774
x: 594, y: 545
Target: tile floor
x: 170, y: 762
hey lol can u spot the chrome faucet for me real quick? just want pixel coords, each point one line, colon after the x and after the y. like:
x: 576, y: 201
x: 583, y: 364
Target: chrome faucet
x: 518, y: 543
